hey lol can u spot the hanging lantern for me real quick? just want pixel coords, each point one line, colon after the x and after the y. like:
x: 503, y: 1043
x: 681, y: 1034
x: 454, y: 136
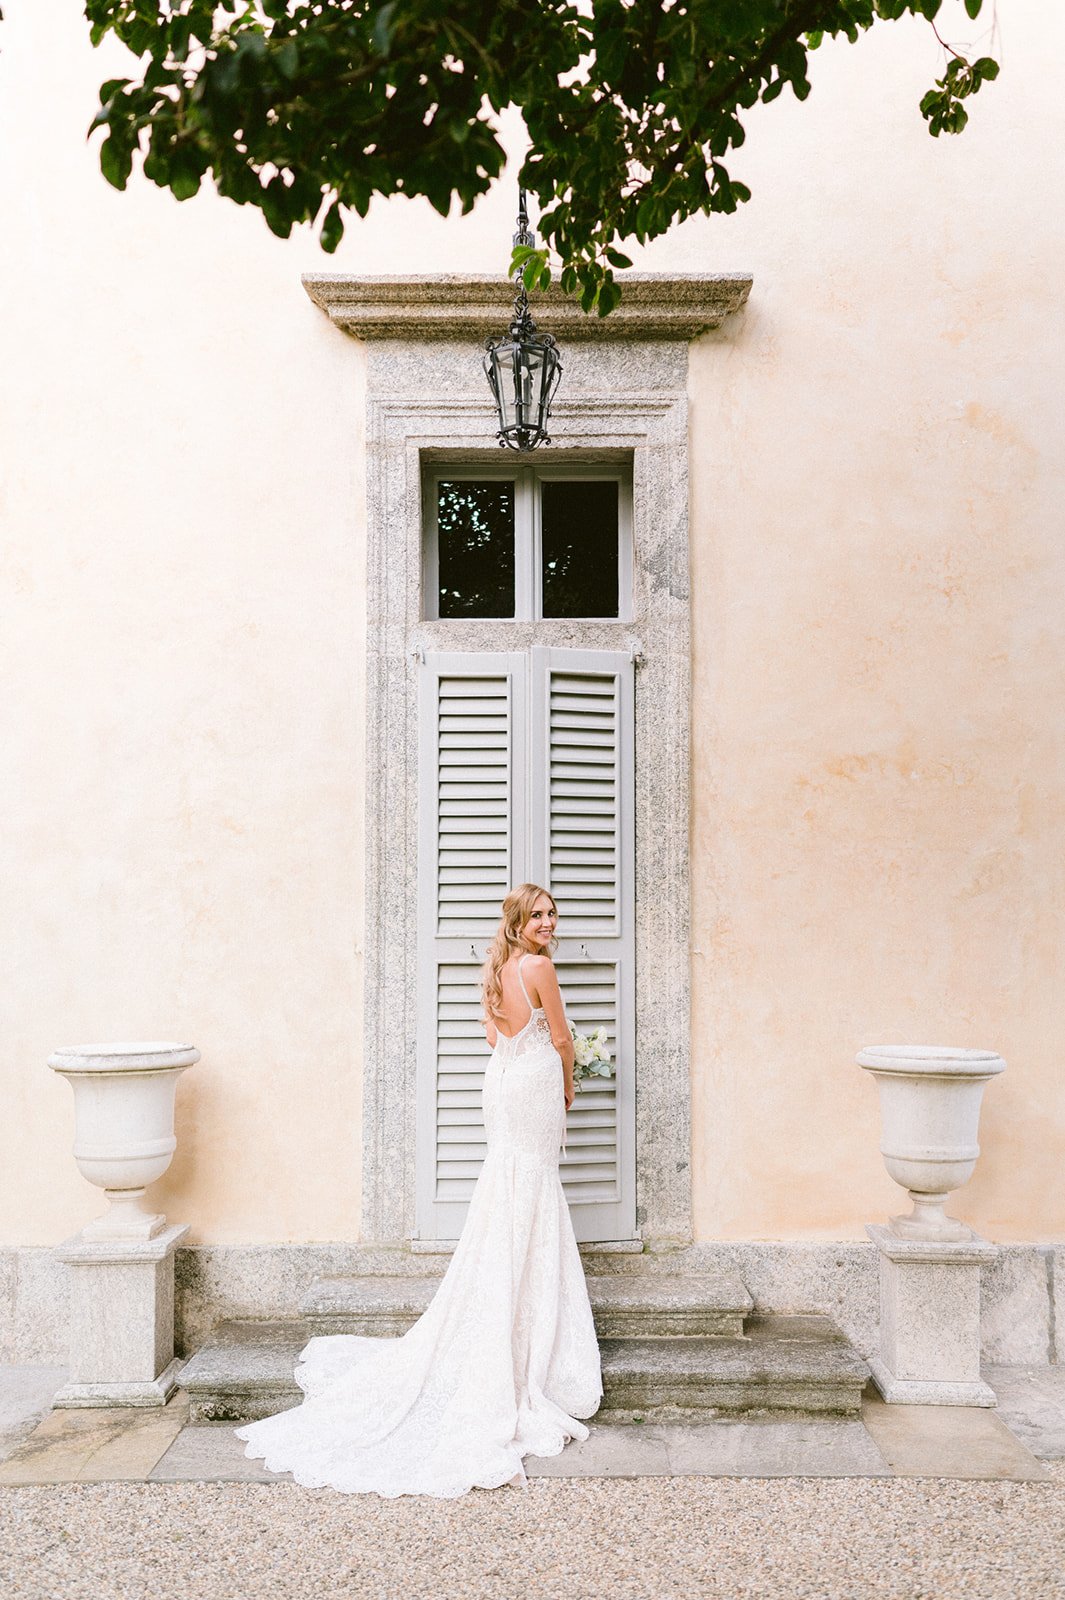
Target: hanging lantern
x: 523, y: 367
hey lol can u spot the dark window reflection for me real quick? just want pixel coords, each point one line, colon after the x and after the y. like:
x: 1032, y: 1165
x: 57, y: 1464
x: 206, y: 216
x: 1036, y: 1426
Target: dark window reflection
x: 580, y: 549
x: 475, y: 540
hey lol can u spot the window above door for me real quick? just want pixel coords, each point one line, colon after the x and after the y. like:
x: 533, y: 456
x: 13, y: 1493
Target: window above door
x: 527, y: 544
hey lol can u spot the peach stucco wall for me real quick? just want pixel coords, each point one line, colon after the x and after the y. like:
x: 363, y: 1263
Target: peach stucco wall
x: 878, y: 843
x: 879, y: 750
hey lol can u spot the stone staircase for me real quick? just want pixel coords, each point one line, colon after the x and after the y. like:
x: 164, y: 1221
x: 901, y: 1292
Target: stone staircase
x: 675, y: 1347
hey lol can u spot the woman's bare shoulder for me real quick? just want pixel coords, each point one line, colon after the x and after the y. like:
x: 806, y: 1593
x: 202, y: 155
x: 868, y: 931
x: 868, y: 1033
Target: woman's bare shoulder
x: 538, y: 966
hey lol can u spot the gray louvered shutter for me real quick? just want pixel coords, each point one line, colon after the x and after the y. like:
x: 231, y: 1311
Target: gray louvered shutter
x: 471, y: 779
x: 583, y: 844
x: 526, y: 772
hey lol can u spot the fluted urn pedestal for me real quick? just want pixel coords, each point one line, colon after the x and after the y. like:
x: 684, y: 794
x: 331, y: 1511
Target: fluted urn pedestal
x: 930, y: 1263
x: 122, y: 1264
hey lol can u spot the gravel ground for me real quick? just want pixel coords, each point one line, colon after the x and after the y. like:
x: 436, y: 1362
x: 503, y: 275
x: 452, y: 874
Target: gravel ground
x: 652, y: 1539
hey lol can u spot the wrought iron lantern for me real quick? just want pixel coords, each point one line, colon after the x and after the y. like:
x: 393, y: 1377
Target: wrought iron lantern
x: 523, y: 366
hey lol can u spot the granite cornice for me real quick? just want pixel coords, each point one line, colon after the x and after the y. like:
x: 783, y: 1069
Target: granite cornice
x: 674, y: 306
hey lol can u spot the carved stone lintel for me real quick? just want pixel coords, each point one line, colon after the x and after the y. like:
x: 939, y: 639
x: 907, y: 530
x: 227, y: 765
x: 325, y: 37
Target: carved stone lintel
x: 458, y: 306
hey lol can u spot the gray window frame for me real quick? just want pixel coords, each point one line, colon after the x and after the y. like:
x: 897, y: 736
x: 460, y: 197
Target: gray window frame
x: 528, y: 532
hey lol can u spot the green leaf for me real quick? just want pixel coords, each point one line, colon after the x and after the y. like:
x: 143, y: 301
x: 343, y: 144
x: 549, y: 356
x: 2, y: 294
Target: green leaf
x: 616, y: 259
x: 116, y: 162
x: 609, y: 297
x: 287, y: 57
x: 360, y: 196
x: 185, y: 174
x: 332, y: 230
x: 972, y: 7
x: 381, y: 38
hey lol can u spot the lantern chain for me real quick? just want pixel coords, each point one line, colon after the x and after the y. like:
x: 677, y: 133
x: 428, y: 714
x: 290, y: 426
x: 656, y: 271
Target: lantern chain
x: 522, y: 325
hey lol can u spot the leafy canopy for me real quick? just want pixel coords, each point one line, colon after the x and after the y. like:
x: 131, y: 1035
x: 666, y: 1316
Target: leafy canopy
x: 308, y: 108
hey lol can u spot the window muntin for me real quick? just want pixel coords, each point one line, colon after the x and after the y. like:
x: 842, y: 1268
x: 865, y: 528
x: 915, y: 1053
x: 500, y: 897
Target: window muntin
x: 528, y: 544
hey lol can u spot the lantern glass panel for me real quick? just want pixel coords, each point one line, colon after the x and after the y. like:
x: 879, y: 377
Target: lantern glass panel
x: 504, y: 359
x: 475, y: 548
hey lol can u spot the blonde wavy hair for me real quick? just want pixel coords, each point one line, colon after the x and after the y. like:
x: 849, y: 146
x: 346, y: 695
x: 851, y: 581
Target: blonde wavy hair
x: 507, y: 941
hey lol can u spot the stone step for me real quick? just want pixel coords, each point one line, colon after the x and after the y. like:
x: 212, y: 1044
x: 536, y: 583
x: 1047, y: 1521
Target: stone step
x: 797, y: 1364
x: 244, y: 1371
x: 625, y: 1306
x: 794, y: 1364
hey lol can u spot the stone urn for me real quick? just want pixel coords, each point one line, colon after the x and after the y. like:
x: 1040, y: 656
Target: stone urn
x: 930, y: 1109
x: 124, y: 1126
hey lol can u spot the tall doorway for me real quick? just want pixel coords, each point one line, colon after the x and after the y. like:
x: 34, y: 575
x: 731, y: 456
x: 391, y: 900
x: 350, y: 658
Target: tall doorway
x: 526, y: 773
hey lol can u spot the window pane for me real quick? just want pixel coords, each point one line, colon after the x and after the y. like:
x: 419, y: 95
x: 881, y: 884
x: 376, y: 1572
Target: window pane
x: 580, y: 549
x: 475, y: 540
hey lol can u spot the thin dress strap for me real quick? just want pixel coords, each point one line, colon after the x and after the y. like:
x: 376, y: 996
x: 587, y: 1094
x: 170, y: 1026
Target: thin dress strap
x: 525, y: 991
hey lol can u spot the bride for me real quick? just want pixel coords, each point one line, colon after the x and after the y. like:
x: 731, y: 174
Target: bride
x: 505, y: 1359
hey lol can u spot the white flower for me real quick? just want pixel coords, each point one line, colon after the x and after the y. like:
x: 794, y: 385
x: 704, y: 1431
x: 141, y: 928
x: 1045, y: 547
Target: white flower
x: 591, y: 1053
x: 600, y: 1045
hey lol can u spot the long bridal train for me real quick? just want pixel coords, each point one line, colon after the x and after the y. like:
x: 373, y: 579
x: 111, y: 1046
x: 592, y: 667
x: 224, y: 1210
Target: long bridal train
x: 504, y: 1360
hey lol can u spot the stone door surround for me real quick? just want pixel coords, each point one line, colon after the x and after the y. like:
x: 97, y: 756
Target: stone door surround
x: 623, y: 398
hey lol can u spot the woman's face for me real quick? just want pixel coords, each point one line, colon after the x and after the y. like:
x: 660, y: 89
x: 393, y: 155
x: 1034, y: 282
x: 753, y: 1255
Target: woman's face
x: 540, y: 928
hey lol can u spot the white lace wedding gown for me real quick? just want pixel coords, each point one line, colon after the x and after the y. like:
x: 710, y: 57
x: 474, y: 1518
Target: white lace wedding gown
x: 504, y: 1359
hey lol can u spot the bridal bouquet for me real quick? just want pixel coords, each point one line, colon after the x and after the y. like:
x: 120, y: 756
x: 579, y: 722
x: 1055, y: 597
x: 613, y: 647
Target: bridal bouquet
x: 591, y: 1053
